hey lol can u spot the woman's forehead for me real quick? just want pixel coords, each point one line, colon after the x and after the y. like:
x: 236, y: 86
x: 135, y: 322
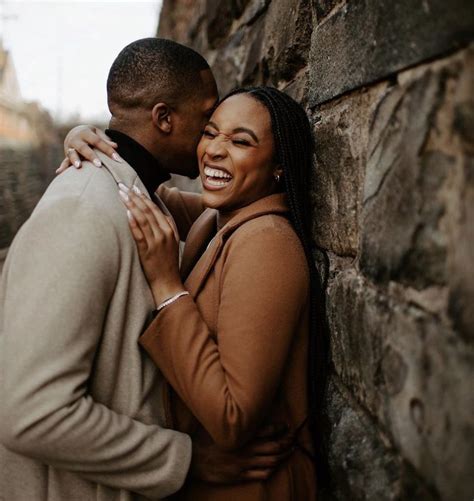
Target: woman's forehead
x: 242, y: 110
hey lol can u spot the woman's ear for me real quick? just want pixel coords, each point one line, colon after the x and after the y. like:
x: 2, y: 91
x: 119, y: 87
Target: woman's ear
x: 161, y: 117
x: 278, y: 173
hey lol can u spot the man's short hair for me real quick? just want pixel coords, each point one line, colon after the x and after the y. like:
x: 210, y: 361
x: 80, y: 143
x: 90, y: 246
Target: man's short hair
x: 151, y: 70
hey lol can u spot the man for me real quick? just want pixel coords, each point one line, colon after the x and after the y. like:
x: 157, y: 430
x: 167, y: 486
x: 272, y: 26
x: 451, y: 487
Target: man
x: 81, y: 415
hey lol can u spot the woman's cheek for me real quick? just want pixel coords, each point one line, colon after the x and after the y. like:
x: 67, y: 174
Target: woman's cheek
x: 201, y: 148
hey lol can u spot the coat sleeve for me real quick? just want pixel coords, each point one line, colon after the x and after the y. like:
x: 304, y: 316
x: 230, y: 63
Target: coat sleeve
x: 58, y: 280
x: 229, y: 384
x: 184, y: 206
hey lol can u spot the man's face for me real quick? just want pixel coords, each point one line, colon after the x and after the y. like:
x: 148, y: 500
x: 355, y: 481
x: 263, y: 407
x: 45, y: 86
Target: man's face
x: 189, y: 120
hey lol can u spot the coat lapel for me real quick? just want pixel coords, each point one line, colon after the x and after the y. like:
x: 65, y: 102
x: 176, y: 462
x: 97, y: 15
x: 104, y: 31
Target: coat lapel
x: 206, y: 258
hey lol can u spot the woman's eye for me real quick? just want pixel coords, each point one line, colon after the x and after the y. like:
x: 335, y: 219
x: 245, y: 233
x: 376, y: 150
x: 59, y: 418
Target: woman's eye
x: 241, y: 142
x: 207, y: 133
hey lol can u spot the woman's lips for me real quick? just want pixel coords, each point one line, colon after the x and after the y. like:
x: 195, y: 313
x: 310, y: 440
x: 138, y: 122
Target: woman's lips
x: 215, y: 178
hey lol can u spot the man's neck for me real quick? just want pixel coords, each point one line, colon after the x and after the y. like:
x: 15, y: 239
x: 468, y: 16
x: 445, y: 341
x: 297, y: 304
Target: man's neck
x: 140, y: 159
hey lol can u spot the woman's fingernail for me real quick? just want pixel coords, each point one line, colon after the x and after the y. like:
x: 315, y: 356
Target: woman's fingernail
x: 136, y: 190
x: 77, y: 164
x: 97, y: 162
x: 123, y: 196
x: 123, y: 187
x: 129, y: 215
x: 117, y: 158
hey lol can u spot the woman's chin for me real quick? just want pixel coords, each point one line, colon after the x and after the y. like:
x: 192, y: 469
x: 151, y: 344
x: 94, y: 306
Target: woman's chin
x: 212, y: 200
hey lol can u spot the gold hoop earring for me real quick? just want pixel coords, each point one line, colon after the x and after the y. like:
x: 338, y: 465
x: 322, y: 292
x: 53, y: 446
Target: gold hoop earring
x: 277, y: 178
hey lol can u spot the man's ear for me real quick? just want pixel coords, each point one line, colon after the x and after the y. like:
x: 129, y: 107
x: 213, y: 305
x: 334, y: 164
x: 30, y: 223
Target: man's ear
x: 161, y: 117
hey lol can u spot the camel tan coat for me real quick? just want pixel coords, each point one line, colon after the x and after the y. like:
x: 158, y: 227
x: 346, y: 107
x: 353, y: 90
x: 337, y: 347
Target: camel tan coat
x: 235, y: 351
x: 80, y: 403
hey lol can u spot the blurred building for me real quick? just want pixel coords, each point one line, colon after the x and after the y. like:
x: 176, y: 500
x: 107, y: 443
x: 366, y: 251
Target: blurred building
x: 21, y: 123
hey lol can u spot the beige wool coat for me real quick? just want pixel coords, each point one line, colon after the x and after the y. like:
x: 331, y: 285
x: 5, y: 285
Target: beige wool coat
x: 81, y: 405
x: 235, y: 350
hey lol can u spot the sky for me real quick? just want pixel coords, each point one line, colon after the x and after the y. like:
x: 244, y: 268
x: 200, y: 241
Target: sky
x: 62, y: 50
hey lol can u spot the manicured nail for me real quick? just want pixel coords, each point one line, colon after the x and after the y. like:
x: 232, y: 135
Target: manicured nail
x: 123, y: 196
x: 77, y: 164
x: 117, y: 157
x: 97, y: 162
x: 129, y: 215
x: 136, y: 190
x: 123, y: 187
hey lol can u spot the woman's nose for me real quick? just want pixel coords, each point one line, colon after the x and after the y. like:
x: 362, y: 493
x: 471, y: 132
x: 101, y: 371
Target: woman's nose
x: 216, y: 148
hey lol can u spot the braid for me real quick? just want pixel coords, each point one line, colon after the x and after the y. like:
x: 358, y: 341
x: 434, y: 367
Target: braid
x: 294, y: 153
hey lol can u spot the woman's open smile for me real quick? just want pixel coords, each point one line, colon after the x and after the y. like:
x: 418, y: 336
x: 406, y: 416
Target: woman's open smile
x: 215, y: 177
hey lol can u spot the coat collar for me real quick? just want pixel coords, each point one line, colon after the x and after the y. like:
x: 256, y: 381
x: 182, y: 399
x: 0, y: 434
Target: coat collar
x: 197, y: 260
x: 122, y: 172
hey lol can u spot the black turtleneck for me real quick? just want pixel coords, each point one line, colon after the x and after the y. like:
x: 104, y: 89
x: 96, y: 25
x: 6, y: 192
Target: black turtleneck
x: 140, y: 159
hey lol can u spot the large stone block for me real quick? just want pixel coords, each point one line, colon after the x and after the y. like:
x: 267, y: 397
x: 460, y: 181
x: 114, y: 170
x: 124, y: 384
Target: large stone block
x: 368, y: 40
x: 412, y: 373
x: 288, y: 27
x: 364, y: 465
x: 263, y: 50
x: 341, y: 131
x: 412, y: 187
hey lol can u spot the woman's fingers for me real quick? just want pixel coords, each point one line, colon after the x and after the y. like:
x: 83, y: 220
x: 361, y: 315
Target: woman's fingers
x: 148, y: 216
x: 136, y: 232
x: 73, y: 157
x: 138, y: 216
x: 162, y: 219
x: 87, y: 153
x: 106, y: 138
x: 102, y: 142
x: 64, y: 165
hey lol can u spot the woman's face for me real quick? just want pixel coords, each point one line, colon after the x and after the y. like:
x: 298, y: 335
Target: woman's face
x: 236, y: 154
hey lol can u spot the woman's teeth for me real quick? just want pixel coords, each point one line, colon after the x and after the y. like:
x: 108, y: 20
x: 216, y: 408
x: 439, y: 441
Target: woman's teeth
x: 210, y: 172
x: 216, y: 177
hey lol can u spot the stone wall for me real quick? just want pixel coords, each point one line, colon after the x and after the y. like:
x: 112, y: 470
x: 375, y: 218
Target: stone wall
x: 388, y: 87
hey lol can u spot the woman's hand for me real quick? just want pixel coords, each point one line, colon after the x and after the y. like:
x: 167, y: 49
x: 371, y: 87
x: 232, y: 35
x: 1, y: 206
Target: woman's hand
x: 157, y: 242
x: 79, y: 143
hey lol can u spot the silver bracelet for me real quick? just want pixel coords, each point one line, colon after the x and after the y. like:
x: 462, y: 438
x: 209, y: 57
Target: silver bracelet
x: 170, y: 300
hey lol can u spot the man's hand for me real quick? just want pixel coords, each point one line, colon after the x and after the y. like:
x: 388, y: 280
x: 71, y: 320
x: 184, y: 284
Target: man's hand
x: 256, y: 461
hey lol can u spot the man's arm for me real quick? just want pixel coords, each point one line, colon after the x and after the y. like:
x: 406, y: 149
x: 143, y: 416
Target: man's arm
x: 59, y: 280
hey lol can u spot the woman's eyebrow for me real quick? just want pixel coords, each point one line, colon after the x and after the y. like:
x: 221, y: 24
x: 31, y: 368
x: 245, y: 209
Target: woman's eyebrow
x: 250, y: 132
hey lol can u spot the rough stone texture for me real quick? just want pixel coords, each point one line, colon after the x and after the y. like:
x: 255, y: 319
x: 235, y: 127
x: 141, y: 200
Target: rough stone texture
x: 364, y: 463
x: 368, y: 40
x: 407, y: 369
x: 388, y: 89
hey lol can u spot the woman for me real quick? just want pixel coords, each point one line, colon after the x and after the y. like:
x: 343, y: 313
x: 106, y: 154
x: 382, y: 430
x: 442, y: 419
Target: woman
x: 233, y: 338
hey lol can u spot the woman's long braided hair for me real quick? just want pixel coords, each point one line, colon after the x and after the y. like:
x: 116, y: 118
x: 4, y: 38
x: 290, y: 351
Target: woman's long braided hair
x: 294, y: 148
